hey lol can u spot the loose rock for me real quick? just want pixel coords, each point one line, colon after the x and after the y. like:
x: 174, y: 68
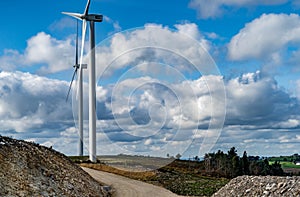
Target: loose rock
x: 261, y: 186
x: 28, y: 169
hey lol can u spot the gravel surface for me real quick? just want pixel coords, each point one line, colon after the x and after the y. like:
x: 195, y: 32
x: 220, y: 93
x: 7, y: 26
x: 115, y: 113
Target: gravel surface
x: 125, y: 187
x: 28, y: 169
x: 261, y: 186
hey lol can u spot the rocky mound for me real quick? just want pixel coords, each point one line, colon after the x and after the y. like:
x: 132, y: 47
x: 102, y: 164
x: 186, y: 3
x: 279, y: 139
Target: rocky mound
x: 28, y: 169
x: 261, y: 186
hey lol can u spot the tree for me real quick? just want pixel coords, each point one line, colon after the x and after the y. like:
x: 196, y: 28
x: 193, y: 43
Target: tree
x: 178, y: 156
x: 232, y: 153
x: 245, y: 164
x: 236, y: 170
x: 266, y: 167
x: 231, y: 165
x: 196, y: 158
x: 276, y: 169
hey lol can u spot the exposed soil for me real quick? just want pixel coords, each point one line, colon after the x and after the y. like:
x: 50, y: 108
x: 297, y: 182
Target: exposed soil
x: 28, y: 169
x: 294, y: 171
x: 125, y: 187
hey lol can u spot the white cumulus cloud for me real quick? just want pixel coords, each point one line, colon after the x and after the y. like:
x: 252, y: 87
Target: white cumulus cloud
x: 266, y: 37
x: 31, y: 102
x: 153, y: 42
x: 216, y: 8
x: 258, y: 101
x: 49, y: 54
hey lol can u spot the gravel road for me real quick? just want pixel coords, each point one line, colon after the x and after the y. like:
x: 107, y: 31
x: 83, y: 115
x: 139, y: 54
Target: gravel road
x: 125, y: 187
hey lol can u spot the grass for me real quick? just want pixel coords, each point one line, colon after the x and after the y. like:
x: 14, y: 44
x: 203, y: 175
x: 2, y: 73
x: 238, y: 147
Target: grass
x: 286, y: 164
x: 189, y: 184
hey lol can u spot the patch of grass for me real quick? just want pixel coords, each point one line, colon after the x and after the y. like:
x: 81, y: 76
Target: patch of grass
x: 191, y: 184
x: 286, y: 164
x: 185, y: 178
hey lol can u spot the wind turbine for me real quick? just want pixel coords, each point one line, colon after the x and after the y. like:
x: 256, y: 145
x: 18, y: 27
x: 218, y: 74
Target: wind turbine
x: 92, y: 18
x: 80, y: 94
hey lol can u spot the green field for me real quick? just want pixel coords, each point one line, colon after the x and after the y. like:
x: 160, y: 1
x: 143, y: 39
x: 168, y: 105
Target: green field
x: 286, y: 164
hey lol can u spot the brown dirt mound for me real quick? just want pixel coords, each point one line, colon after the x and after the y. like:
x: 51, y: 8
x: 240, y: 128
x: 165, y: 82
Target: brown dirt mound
x: 28, y: 169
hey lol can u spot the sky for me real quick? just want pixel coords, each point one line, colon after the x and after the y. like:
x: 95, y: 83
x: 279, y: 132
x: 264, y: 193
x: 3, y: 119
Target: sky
x: 188, y: 77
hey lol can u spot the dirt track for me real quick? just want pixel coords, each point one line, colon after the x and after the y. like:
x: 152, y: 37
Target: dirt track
x: 125, y: 187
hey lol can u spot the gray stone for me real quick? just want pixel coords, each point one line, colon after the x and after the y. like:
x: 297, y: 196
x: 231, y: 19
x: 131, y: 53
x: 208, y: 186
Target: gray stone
x: 261, y: 186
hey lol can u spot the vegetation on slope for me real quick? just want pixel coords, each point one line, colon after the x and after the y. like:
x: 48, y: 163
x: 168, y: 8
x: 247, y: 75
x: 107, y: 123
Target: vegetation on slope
x: 189, y: 177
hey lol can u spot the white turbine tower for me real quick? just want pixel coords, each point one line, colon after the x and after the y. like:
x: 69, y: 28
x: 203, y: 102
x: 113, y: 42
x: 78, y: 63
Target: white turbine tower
x: 80, y: 94
x: 92, y: 18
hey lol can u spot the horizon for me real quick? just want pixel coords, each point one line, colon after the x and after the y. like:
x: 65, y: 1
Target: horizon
x: 189, y: 77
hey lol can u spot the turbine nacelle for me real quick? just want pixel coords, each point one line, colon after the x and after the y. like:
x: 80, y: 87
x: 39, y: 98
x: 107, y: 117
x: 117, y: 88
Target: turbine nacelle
x: 83, y: 66
x: 89, y: 17
x: 94, y: 17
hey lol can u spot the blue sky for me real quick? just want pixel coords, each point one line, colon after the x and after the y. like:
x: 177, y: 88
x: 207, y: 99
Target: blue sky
x: 161, y: 92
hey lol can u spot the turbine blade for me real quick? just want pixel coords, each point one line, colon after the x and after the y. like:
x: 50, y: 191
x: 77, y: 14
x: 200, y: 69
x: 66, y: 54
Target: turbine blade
x: 75, y: 15
x: 81, y: 52
x: 82, y: 40
x: 86, y: 11
x: 76, y: 55
x: 70, y: 87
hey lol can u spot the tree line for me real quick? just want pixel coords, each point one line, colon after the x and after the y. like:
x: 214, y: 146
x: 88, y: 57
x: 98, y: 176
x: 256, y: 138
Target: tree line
x: 231, y: 165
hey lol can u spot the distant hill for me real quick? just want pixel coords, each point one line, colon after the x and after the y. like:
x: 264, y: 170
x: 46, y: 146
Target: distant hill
x: 28, y: 169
